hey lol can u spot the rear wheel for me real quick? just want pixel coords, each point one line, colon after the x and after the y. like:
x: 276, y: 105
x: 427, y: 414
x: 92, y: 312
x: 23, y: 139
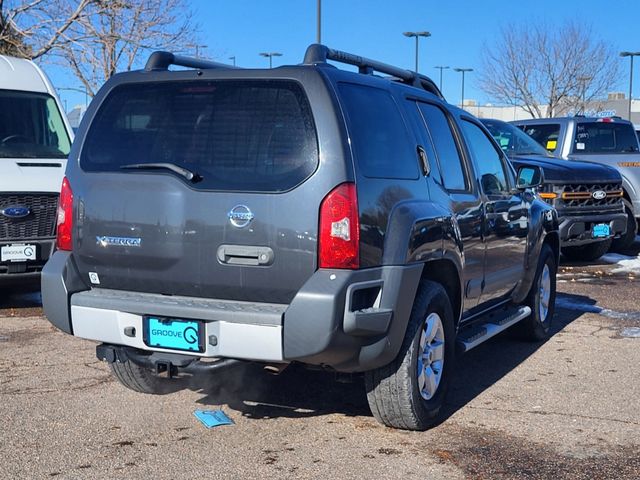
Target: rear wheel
x: 625, y: 241
x: 541, y: 298
x: 142, y: 380
x: 409, y: 392
x: 589, y: 252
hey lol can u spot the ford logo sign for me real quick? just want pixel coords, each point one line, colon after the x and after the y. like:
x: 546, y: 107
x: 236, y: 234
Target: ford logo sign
x: 15, y: 212
x: 240, y: 216
x: 599, y: 194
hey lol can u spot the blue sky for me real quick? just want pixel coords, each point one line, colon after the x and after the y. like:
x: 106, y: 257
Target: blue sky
x: 373, y: 28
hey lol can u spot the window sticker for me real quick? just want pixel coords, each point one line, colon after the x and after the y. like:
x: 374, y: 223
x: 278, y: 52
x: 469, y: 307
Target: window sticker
x: 552, y: 144
x: 579, y: 146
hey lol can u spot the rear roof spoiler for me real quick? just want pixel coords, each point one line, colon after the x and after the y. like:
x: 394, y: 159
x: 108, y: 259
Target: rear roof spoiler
x: 317, y: 53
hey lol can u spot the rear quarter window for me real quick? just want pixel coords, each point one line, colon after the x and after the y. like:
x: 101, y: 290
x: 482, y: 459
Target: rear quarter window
x: 381, y: 143
x: 253, y: 135
x: 546, y: 135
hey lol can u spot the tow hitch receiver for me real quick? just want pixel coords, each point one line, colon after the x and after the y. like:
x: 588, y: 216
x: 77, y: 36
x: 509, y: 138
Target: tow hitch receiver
x: 162, y: 363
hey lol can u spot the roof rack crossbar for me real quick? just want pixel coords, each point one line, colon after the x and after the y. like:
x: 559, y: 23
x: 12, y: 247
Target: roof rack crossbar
x: 317, y: 53
x: 162, y: 60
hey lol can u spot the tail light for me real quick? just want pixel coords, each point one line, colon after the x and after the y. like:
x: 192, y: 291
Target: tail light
x: 339, y: 229
x: 64, y: 240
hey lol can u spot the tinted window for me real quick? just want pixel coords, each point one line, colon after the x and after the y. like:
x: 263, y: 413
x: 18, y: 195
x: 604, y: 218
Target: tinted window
x: 512, y: 140
x: 487, y: 160
x: 445, y: 146
x: 603, y: 137
x: 238, y: 135
x: 546, y: 135
x: 378, y: 134
x: 31, y: 126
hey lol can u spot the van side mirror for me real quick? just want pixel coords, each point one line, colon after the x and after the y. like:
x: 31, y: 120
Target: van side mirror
x: 529, y: 176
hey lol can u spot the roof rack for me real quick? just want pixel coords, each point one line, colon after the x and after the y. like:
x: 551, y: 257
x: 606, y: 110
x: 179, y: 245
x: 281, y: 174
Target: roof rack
x: 317, y: 53
x: 162, y: 60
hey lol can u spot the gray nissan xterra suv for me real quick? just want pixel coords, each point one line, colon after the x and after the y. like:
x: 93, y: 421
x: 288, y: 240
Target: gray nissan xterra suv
x: 301, y: 214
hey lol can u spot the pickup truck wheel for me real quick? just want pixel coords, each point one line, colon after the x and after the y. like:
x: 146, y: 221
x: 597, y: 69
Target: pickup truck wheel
x: 587, y: 253
x: 140, y: 379
x: 409, y: 392
x: 541, y: 298
x: 625, y: 241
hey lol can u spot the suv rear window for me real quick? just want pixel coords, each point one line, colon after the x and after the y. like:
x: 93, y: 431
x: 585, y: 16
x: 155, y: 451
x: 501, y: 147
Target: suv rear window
x: 254, y: 135
x: 605, y: 137
x: 31, y: 126
x: 545, y: 134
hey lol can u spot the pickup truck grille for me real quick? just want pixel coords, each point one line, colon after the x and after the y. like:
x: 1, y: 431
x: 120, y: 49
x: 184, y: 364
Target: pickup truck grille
x: 582, y: 195
x: 39, y: 223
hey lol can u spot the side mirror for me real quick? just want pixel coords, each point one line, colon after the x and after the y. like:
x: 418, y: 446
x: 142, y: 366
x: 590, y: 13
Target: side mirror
x: 529, y: 176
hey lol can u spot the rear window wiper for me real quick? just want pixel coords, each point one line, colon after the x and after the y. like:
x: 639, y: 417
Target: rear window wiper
x: 188, y: 174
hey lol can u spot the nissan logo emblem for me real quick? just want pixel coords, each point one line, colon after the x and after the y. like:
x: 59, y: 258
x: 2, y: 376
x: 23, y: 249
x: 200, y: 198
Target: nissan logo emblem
x: 240, y: 216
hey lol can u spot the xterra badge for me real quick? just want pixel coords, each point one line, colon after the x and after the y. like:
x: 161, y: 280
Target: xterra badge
x: 105, y: 241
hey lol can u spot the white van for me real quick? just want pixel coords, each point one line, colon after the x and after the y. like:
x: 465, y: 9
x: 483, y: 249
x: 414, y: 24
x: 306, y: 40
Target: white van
x: 35, y: 139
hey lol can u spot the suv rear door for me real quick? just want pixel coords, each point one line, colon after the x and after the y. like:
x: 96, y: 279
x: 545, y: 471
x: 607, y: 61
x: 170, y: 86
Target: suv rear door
x: 229, y: 231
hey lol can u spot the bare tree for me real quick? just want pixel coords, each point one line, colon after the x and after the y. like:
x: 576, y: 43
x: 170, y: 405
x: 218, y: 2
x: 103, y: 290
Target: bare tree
x: 548, y: 70
x: 33, y: 28
x: 113, y: 35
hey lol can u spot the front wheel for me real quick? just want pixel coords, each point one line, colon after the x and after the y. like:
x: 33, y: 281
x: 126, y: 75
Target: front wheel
x: 409, y: 392
x: 625, y: 241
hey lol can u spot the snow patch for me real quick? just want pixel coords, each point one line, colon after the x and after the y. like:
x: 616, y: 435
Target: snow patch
x: 569, y: 304
x: 615, y: 258
x: 631, y: 332
x: 625, y: 263
x: 628, y: 266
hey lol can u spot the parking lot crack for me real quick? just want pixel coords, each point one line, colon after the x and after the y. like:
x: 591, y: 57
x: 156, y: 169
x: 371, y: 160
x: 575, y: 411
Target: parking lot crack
x: 560, y: 414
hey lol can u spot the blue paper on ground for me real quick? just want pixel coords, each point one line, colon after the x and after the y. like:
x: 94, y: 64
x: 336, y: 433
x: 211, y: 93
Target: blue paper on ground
x: 213, y: 418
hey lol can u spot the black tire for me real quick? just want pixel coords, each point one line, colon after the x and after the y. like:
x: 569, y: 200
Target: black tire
x: 587, y: 253
x: 393, y: 391
x: 535, y: 327
x: 625, y: 241
x: 142, y: 380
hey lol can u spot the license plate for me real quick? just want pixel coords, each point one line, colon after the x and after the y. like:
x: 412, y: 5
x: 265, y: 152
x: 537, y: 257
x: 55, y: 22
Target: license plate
x: 17, y: 253
x: 601, y: 230
x: 173, y: 334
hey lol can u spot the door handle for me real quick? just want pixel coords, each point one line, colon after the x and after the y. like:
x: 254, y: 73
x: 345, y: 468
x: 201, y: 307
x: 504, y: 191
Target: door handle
x: 245, y: 255
x: 424, y: 160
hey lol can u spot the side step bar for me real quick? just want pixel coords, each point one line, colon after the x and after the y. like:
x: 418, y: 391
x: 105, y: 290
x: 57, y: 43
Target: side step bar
x: 483, y: 332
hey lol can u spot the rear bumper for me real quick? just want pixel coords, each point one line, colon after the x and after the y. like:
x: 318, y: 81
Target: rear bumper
x: 578, y: 229
x: 346, y: 320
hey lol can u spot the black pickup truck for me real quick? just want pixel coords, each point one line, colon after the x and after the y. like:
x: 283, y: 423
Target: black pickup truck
x: 588, y: 196
x: 305, y: 213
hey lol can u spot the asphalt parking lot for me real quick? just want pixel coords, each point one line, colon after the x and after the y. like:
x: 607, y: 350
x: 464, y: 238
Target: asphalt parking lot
x: 568, y: 408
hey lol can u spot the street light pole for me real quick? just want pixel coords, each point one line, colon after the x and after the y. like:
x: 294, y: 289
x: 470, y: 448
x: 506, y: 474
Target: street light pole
x: 233, y: 59
x: 583, y: 83
x: 441, y: 68
x: 631, y: 55
x: 319, y: 24
x: 463, y: 71
x: 417, y: 35
x: 197, y: 48
x: 270, y: 55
